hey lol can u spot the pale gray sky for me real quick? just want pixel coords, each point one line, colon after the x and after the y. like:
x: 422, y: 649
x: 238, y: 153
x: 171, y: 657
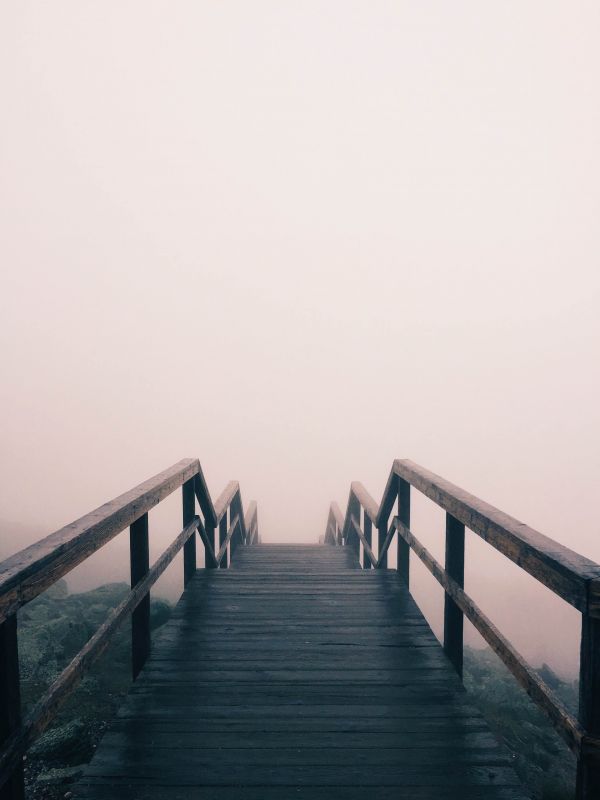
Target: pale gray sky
x: 298, y: 240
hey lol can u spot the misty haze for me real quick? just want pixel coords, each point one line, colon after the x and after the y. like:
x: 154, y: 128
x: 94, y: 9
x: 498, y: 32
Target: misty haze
x: 298, y: 242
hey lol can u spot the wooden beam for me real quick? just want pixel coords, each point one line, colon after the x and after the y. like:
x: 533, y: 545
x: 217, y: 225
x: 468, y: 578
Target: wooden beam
x: 223, y: 501
x: 204, y: 499
x: 223, y: 541
x: 453, y: 616
x: 140, y: 618
x: 360, y: 535
x: 539, y: 691
x: 32, y: 570
x: 210, y: 558
x: 562, y: 570
x: 403, y: 560
x: 384, y: 545
x: 221, y: 555
x: 10, y: 704
x: 588, y: 767
x: 364, y: 498
x: 47, y: 707
x: 188, y: 502
x: 250, y: 521
x: 368, y: 563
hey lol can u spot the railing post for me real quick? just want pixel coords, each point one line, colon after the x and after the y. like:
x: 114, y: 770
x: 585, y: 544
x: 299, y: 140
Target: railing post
x: 140, y: 617
x: 222, y: 536
x: 353, y: 539
x: 588, y: 766
x: 453, y: 616
x: 368, y: 531
x: 210, y: 535
x: 403, y: 566
x: 382, y: 530
x: 189, y: 548
x: 10, y: 701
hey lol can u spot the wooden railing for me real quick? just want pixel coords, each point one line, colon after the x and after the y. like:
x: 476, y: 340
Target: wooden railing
x: 31, y: 571
x: 572, y: 577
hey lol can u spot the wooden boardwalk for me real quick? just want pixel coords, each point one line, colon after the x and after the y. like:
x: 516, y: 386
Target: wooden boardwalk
x: 296, y: 675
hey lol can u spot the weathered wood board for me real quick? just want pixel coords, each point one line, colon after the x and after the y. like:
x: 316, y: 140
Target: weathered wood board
x: 295, y: 674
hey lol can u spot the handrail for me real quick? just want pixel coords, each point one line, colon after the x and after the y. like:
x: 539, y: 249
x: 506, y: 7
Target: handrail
x: 251, y: 523
x: 569, y: 575
x: 335, y: 525
x: 33, y: 570
x: 561, y: 569
x: 223, y: 501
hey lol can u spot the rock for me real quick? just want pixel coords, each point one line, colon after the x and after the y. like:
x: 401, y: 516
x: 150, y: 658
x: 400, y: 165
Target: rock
x: 66, y: 744
x: 550, y: 677
x: 60, y: 775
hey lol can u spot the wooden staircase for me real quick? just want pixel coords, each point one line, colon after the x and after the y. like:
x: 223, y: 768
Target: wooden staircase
x: 295, y: 674
x: 295, y: 671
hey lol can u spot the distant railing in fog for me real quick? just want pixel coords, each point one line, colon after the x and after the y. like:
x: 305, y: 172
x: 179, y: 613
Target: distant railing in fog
x: 31, y: 571
x: 570, y: 576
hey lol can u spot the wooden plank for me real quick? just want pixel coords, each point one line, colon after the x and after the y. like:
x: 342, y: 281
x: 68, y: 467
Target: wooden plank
x: 457, y: 775
x: 449, y: 737
x: 455, y: 567
x: 142, y: 759
x: 32, y: 570
x: 562, y: 570
x: 121, y: 790
x: 140, y: 617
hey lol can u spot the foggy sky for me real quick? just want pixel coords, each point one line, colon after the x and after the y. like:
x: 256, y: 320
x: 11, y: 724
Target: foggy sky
x: 297, y: 241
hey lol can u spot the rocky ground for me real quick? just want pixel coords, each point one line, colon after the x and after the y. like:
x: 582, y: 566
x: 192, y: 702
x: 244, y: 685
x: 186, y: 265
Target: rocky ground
x: 52, y: 629
x: 541, y: 758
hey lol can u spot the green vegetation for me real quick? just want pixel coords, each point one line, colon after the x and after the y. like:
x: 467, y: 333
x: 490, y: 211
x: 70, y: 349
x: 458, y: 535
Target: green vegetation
x: 52, y: 629
x: 542, y: 760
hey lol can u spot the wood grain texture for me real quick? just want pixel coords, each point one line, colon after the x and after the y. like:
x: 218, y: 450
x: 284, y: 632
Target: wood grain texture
x: 562, y: 570
x: 567, y: 726
x: 34, y: 569
x: 297, y: 674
